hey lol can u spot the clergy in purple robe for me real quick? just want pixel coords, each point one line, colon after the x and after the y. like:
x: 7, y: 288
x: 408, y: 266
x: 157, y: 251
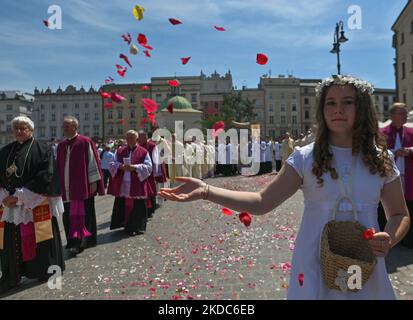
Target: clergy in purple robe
x: 400, y: 142
x: 130, y: 186
x: 80, y: 180
x: 156, y: 170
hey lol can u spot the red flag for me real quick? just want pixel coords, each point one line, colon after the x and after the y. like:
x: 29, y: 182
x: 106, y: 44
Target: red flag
x: 146, y: 46
x: 185, y: 60
x: 105, y: 95
x: 117, y: 97
x: 170, y: 107
x: 46, y: 23
x: 173, y: 83
x: 147, y: 53
x: 175, y: 21
x: 245, y: 218
x: 125, y: 58
x: 262, y: 58
x: 149, y: 105
x: 127, y: 38
x: 122, y: 73
x: 145, y: 88
x: 142, y: 39
x: 219, y: 28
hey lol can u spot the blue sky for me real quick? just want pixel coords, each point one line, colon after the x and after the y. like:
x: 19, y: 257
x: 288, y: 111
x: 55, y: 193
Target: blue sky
x: 295, y: 34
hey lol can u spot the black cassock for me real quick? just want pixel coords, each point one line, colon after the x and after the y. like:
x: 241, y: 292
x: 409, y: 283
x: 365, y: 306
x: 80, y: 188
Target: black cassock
x: 39, y: 176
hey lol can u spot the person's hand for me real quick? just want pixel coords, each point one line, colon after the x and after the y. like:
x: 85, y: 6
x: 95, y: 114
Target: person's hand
x: 192, y: 189
x: 10, y: 202
x: 402, y: 152
x: 122, y: 167
x: 129, y: 168
x: 93, y: 187
x: 380, y: 244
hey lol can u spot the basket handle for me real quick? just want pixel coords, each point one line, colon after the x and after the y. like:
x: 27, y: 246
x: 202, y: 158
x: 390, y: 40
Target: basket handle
x: 354, y: 211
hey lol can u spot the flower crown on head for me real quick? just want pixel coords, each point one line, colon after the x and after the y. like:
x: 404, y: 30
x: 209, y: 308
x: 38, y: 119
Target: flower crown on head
x: 362, y: 85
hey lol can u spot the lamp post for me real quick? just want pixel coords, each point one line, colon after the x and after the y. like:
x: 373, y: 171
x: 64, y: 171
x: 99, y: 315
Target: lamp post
x: 339, y: 38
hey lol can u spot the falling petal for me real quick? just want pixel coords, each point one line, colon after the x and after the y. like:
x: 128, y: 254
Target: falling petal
x: 138, y: 12
x: 146, y: 46
x: 105, y: 95
x: 174, y: 83
x: 149, y: 105
x: 147, y: 53
x: 262, y: 58
x: 142, y: 39
x: 127, y: 38
x: 145, y: 88
x: 227, y: 211
x: 170, y: 107
x: 301, y: 279
x: 245, y: 218
x: 185, y: 60
x: 126, y: 59
x: 108, y: 105
x: 46, y: 23
x: 219, y: 28
x: 175, y: 21
x: 368, y: 234
x: 117, y: 97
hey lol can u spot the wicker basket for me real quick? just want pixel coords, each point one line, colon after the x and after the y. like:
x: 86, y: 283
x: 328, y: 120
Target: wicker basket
x: 343, y: 245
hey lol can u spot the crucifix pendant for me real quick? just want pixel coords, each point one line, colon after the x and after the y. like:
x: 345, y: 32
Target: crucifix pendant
x: 12, y: 169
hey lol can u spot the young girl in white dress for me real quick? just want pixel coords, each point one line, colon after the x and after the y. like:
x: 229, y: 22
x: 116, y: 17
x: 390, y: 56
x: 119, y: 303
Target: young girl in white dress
x: 348, y: 158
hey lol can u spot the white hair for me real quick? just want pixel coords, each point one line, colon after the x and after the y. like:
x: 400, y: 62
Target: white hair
x: 72, y: 119
x: 133, y: 132
x: 23, y: 120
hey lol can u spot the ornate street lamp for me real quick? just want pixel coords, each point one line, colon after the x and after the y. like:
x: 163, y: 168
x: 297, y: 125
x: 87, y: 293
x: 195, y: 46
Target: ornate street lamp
x: 339, y: 38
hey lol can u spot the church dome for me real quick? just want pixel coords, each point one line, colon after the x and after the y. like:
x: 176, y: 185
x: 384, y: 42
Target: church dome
x: 179, y: 103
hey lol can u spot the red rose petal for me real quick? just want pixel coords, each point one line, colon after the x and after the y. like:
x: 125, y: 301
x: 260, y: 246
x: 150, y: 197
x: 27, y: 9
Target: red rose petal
x: 170, y: 107
x: 149, y: 105
x: 175, y: 21
x: 142, y: 124
x: 219, y: 28
x: 227, y: 212
x: 127, y: 38
x: 117, y: 97
x: 185, y: 60
x: 46, y: 23
x: 262, y: 58
x: 146, y: 46
x: 147, y: 53
x: 105, y: 95
x: 301, y: 279
x: 173, y: 83
x: 142, y: 39
x: 145, y: 88
x: 245, y: 218
x: 125, y: 58
x: 368, y: 234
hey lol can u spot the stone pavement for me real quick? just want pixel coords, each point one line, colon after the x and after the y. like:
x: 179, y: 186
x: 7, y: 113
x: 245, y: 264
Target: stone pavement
x: 193, y: 251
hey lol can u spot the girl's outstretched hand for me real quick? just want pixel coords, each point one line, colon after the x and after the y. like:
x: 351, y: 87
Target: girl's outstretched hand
x: 192, y: 189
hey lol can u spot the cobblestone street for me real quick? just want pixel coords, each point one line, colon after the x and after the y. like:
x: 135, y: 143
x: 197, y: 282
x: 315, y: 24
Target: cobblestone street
x: 193, y: 251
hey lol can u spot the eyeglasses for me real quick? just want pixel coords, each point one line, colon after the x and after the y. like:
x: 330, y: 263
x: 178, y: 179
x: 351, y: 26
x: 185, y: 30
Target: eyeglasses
x: 20, y: 129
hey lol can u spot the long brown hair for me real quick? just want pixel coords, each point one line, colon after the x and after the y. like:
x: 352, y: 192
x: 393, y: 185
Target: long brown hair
x: 366, y: 139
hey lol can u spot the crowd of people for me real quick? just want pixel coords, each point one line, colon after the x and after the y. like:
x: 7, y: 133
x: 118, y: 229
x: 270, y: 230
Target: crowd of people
x: 39, y: 182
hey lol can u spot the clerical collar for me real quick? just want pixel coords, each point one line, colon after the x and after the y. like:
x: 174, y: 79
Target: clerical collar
x: 24, y: 142
x: 75, y: 136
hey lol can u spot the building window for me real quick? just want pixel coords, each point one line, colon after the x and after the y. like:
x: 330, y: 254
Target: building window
x: 282, y: 107
x: 64, y: 106
x: 271, y: 96
x: 110, y: 114
x: 110, y: 131
x: 385, y: 99
x: 271, y: 119
x: 394, y: 99
x: 402, y: 38
x: 9, y: 117
x: 120, y: 130
x: 305, y: 90
x: 306, y: 114
x: 295, y: 133
x: 53, y: 106
x: 158, y: 98
x: 42, y: 107
x: 86, y: 116
x: 385, y: 107
x: 404, y: 97
x: 271, y: 107
x: 306, y: 101
x: 52, y: 132
x: 86, y: 130
x: 53, y: 117
x: 131, y: 99
x: 120, y: 115
x: 41, y: 132
x: 96, y: 131
x: 76, y: 106
x: 42, y: 117
x: 96, y: 105
x: 294, y: 107
x: 132, y: 114
x: 193, y: 97
x: 293, y: 96
x: 77, y: 116
x: 86, y: 105
x: 282, y: 119
x: 272, y: 133
x: 403, y: 70
x: 282, y: 96
x: 96, y: 116
x: 294, y: 119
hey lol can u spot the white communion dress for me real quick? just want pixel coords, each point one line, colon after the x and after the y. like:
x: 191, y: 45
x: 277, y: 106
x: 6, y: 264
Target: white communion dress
x: 318, y: 208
